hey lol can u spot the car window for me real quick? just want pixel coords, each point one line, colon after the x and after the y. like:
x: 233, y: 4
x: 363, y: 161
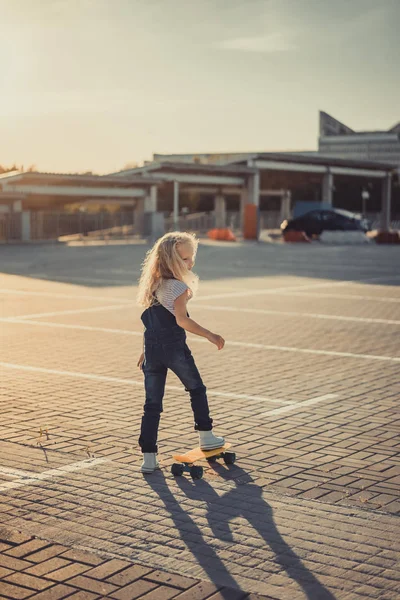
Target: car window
x: 327, y: 216
x: 341, y: 220
x: 315, y: 215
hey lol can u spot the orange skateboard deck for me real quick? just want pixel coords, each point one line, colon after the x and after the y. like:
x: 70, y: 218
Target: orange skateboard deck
x: 186, y: 462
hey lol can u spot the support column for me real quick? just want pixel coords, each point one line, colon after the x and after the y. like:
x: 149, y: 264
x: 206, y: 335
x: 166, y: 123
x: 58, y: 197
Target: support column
x: 150, y: 202
x: 26, y: 225
x: 254, y: 189
x: 220, y: 211
x: 386, y: 202
x: 251, y: 216
x: 244, y: 199
x: 17, y: 206
x: 176, y: 206
x: 139, y: 216
x: 327, y: 188
x: 286, y: 200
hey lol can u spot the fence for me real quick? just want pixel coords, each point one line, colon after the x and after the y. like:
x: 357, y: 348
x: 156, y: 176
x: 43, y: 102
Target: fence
x: 197, y: 222
x: 203, y: 222
x: 47, y: 225
x: 50, y: 225
x: 10, y: 227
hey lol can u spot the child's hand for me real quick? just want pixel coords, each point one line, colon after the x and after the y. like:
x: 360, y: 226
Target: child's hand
x: 216, y: 339
x: 141, y: 361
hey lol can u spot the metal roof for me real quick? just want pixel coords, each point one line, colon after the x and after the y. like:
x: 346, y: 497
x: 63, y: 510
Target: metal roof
x: 34, y: 176
x: 315, y: 159
x: 189, y: 168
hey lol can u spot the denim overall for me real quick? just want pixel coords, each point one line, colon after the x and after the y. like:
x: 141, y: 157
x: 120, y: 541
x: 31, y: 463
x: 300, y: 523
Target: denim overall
x: 165, y: 348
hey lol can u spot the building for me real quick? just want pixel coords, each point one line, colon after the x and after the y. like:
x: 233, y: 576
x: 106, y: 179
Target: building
x: 337, y: 139
x: 252, y: 177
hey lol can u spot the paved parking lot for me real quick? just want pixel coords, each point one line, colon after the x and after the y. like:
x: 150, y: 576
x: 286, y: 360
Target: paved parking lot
x: 306, y: 388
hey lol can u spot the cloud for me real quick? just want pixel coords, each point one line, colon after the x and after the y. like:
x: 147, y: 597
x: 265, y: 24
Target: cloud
x: 275, y: 42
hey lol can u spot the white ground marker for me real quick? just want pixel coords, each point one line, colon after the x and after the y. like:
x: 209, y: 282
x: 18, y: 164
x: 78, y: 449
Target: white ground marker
x: 298, y: 405
x: 94, y: 377
x: 204, y: 341
x: 31, y: 478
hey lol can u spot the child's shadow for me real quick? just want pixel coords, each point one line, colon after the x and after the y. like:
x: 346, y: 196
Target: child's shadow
x: 244, y: 500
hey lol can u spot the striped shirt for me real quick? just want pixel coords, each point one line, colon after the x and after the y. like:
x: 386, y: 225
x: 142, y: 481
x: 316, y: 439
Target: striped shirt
x: 169, y: 291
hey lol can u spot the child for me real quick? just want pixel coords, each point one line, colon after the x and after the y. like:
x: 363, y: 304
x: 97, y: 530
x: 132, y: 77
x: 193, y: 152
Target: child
x: 166, y: 284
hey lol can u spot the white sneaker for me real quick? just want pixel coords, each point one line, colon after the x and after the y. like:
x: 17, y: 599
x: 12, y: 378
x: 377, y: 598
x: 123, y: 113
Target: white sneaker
x: 150, y: 462
x: 209, y: 441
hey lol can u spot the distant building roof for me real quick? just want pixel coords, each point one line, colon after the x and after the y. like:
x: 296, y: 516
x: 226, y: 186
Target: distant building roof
x: 329, y: 126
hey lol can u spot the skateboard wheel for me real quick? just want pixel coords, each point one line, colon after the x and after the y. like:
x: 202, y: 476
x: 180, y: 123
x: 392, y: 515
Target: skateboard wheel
x: 229, y: 458
x: 196, y: 472
x: 177, y: 469
x: 212, y: 459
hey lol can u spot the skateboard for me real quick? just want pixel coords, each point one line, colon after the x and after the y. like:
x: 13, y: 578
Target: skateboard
x: 186, y: 462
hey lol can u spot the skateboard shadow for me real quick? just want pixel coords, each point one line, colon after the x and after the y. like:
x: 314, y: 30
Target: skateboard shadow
x: 244, y: 500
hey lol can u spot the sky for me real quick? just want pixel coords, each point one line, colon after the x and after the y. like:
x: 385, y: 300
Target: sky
x: 94, y: 85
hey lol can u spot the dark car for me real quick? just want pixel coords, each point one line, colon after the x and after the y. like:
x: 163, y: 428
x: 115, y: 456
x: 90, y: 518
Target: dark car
x: 334, y: 219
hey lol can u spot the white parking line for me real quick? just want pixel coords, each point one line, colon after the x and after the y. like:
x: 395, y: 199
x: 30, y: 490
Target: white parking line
x: 70, y: 326
x: 344, y: 296
x: 263, y: 311
x: 298, y: 405
x: 31, y: 478
x: 295, y: 288
x: 94, y: 377
x: 223, y: 308
x: 122, y: 282
x: 14, y: 472
x: 204, y: 341
x: 312, y: 351
x: 73, y: 311
x: 70, y: 296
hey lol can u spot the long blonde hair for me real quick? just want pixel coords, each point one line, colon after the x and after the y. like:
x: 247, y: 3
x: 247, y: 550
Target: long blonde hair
x: 163, y: 261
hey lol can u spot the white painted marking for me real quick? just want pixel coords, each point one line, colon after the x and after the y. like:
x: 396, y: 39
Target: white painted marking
x: 255, y: 292
x: 14, y: 472
x: 61, y: 295
x: 345, y: 296
x: 298, y: 405
x: 73, y: 311
x: 32, y: 478
x: 295, y: 288
x: 311, y: 351
x: 263, y: 311
x: 70, y: 326
x: 204, y: 341
x: 83, y: 278
x: 93, y: 377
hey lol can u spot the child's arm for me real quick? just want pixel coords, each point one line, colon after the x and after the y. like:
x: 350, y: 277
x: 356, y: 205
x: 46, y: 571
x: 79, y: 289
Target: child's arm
x: 189, y: 325
x: 141, y: 357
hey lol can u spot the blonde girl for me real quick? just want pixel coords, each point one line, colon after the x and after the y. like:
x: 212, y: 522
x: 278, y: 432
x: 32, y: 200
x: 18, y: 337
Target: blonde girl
x: 166, y: 284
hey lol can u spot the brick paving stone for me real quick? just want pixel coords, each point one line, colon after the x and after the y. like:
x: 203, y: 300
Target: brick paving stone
x: 200, y: 591
x: 128, y: 575
x: 55, y: 593
x: 81, y: 595
x: 23, y: 550
x: 29, y: 581
x: 161, y: 593
x: 47, y: 566
x: 13, y: 591
x: 14, y: 564
x: 170, y: 579
x: 134, y: 590
x: 67, y: 572
x: 107, y: 569
x: 47, y: 553
x: 92, y: 585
